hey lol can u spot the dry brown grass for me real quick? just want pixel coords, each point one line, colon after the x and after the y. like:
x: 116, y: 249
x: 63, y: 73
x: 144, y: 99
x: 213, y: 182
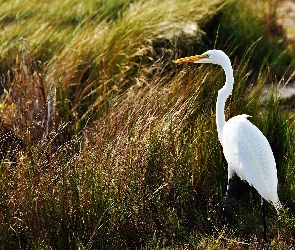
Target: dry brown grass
x: 126, y: 155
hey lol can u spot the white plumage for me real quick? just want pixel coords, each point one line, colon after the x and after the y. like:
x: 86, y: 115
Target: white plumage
x: 245, y: 148
x: 249, y: 155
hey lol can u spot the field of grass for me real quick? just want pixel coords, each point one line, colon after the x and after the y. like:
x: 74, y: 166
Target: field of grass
x: 106, y: 144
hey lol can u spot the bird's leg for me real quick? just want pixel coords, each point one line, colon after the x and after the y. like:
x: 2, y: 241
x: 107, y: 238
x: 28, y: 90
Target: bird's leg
x: 225, y: 206
x: 263, y: 206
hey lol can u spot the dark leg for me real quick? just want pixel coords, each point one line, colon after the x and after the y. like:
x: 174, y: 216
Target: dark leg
x: 225, y: 206
x: 263, y: 206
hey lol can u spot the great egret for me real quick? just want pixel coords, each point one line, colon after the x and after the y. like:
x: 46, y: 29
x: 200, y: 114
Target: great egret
x: 246, y: 149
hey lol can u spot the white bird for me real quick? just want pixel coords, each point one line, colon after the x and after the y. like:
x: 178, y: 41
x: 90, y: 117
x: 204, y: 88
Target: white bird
x: 246, y: 149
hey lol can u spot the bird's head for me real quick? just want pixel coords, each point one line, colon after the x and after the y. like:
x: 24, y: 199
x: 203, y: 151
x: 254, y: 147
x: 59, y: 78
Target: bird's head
x: 211, y: 56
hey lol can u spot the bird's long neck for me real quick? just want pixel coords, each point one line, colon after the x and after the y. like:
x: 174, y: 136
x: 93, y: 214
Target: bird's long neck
x: 221, y: 99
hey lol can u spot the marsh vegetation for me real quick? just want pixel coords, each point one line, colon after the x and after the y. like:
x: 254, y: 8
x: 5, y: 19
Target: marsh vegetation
x: 106, y: 144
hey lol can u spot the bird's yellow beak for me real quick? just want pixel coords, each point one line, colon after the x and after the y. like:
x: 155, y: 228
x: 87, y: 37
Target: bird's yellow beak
x: 191, y: 58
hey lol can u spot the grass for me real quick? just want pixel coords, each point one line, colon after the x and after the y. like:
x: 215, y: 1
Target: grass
x: 259, y: 22
x: 126, y: 155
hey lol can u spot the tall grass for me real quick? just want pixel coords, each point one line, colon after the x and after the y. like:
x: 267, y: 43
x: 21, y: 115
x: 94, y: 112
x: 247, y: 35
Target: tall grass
x: 132, y: 158
x: 150, y: 174
x: 259, y: 22
x: 91, y: 54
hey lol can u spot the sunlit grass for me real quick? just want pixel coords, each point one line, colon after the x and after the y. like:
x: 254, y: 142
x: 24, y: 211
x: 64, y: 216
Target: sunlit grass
x: 91, y: 53
x: 129, y: 157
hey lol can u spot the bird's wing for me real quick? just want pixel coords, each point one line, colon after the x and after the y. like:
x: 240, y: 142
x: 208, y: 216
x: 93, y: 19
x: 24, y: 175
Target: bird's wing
x: 249, y: 155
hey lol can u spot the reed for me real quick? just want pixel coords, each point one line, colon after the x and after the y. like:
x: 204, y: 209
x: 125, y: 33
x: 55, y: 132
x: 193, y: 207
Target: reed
x: 116, y: 146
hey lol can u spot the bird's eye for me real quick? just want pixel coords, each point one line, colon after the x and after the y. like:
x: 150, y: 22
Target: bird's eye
x: 205, y: 56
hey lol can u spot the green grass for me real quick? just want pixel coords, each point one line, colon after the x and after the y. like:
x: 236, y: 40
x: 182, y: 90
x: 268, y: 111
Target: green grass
x: 131, y: 158
x: 258, y: 22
